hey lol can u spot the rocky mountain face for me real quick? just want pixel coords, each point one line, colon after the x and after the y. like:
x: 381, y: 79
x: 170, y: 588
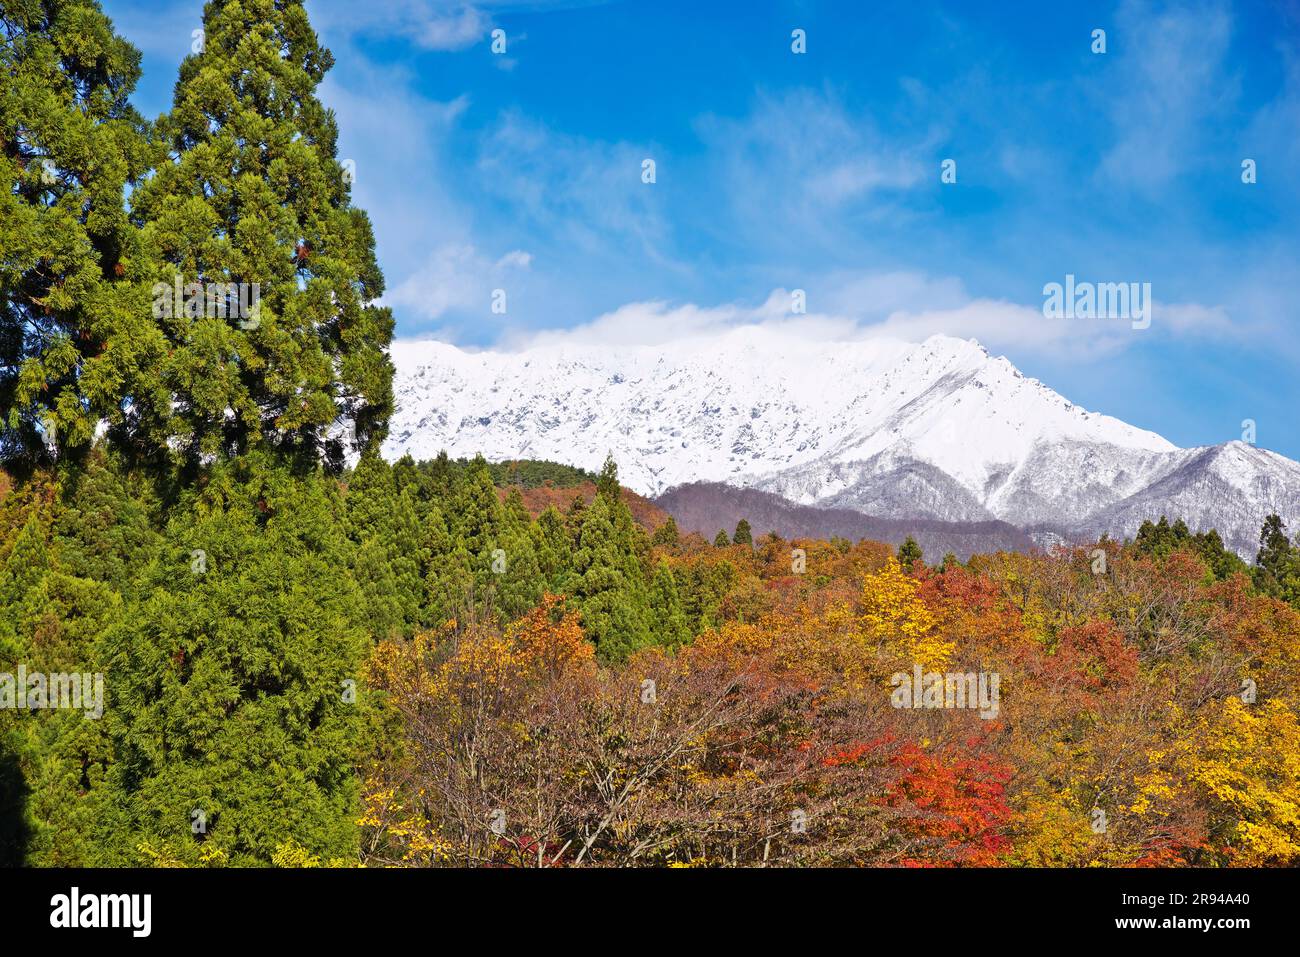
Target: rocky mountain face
x: 938, y: 431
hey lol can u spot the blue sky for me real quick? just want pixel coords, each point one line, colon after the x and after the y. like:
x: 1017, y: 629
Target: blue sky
x: 775, y: 171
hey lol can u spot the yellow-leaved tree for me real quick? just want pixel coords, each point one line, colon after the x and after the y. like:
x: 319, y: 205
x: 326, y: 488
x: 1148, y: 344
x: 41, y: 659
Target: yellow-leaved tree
x: 1247, y: 764
x: 897, y: 621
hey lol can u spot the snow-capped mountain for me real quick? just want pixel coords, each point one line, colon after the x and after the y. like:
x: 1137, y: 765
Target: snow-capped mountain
x: 936, y: 430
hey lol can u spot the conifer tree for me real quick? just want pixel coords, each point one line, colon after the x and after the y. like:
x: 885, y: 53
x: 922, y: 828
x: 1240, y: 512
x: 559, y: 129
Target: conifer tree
x: 238, y: 714
x: 574, y: 517
x: 607, y: 484
x: 478, y: 516
x: 744, y: 534
x: 27, y: 564
x: 668, y: 618
x: 441, y: 480
x: 1277, y: 563
x: 390, y: 557
x: 1160, y: 539
x: 252, y: 194
x: 408, y: 478
x: 519, y: 582
x: 76, y: 336
x: 104, y: 526
x: 1222, y: 562
x: 62, y: 590
x: 498, y: 551
x: 909, y: 553
x: 1274, y: 546
x: 448, y: 583
x: 608, y: 579
x: 553, y: 549
x: 721, y: 540
x: 666, y: 534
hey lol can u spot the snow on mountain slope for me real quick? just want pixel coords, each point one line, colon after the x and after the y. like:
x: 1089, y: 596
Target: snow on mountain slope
x: 718, y: 410
x: 1230, y: 487
x: 741, y: 405
x: 935, y: 430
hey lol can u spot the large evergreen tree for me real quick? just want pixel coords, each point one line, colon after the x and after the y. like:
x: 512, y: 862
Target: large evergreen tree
x: 552, y: 547
x: 667, y: 534
x: 448, y: 584
x: 235, y: 641
x: 77, y: 343
x: 1161, y: 539
x: 250, y: 193
x: 238, y: 711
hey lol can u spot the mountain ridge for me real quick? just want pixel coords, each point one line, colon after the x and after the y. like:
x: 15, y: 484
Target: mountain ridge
x: 706, y: 507
x: 937, y: 431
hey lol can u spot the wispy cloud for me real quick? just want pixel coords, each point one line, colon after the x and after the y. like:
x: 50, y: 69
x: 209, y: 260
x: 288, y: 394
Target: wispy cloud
x: 445, y: 25
x: 456, y: 276
x: 1168, y: 87
x: 800, y: 165
x: 581, y: 192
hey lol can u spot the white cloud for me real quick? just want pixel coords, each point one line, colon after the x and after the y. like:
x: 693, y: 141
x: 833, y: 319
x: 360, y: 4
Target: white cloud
x: 658, y: 323
x: 402, y: 161
x: 902, y: 305
x: 517, y: 258
x: 443, y: 25
x: 455, y: 276
x: 876, y: 296
x: 452, y: 29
